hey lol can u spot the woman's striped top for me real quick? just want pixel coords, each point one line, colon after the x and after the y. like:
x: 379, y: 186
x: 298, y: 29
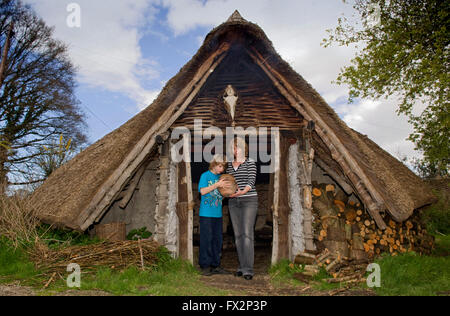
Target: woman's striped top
x: 245, y: 175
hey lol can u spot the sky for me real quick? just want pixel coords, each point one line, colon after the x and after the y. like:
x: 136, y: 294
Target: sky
x: 126, y: 50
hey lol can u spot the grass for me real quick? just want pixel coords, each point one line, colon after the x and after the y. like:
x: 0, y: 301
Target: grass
x: 171, y: 277
x: 283, y: 273
x: 15, y: 265
x: 413, y: 275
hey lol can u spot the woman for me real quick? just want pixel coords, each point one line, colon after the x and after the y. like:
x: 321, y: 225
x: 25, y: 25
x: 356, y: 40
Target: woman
x: 243, y: 206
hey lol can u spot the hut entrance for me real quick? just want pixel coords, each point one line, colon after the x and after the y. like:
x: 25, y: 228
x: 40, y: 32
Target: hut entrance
x: 263, y: 222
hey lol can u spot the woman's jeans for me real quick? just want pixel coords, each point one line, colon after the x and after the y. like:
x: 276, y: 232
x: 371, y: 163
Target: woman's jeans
x: 243, y: 213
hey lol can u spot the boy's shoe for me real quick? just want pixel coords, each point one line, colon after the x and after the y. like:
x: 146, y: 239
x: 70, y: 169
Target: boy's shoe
x: 219, y: 270
x: 207, y: 271
x: 248, y: 277
x: 238, y: 274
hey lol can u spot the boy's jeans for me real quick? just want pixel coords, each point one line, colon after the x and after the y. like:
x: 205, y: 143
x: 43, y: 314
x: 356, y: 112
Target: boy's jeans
x: 210, y: 242
x: 243, y: 213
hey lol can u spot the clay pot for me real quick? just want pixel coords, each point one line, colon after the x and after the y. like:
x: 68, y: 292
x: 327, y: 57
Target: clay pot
x: 226, y: 192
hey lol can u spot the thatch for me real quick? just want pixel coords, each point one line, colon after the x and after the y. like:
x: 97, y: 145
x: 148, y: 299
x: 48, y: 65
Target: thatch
x: 70, y: 189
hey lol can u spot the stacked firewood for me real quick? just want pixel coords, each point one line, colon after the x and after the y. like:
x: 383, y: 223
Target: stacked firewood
x: 346, y: 230
x: 342, y: 270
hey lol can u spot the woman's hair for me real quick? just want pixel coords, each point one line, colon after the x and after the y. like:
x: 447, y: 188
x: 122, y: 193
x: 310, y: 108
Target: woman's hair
x: 240, y: 143
x: 218, y: 160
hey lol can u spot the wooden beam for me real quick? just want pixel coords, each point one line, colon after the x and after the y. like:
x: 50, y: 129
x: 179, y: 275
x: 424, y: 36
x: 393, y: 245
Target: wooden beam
x: 115, y: 183
x: 131, y: 188
x: 339, y: 180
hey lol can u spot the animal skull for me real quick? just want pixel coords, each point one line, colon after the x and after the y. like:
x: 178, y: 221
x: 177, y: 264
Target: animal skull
x: 230, y: 98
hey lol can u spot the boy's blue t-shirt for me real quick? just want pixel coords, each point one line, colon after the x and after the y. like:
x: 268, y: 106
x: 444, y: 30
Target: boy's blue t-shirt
x: 211, y: 203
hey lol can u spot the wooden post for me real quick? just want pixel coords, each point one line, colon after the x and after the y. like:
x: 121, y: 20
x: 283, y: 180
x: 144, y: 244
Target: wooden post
x: 185, y: 205
x: 306, y: 164
x: 281, y: 202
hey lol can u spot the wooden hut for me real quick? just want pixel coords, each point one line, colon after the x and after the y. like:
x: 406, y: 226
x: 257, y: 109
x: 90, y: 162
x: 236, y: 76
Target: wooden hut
x: 129, y: 175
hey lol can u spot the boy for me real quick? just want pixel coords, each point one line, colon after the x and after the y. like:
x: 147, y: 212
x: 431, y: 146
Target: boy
x: 211, y: 217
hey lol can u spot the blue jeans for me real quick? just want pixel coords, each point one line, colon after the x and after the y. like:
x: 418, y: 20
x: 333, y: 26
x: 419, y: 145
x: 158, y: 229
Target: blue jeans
x: 210, y: 242
x: 243, y: 213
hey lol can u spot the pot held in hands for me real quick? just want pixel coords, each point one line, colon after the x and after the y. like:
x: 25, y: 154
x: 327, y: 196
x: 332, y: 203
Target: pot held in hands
x: 230, y: 188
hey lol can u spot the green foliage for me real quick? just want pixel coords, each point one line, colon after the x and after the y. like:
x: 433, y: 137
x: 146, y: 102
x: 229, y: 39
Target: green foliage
x: 406, y: 52
x: 56, y: 238
x: 413, y: 275
x: 141, y: 233
x: 437, y: 217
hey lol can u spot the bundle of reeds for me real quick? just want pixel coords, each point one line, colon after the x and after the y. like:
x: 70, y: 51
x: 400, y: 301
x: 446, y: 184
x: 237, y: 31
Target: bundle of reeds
x: 18, y: 221
x: 115, y: 255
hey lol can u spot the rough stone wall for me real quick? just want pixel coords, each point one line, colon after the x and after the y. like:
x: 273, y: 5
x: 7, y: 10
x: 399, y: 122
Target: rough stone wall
x: 141, y: 208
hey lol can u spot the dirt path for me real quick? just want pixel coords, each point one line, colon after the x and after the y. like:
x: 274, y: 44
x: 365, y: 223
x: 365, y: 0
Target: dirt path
x: 261, y: 284
x: 18, y: 290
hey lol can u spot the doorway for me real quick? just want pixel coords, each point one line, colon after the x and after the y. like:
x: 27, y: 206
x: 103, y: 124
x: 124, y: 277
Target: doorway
x: 263, y: 223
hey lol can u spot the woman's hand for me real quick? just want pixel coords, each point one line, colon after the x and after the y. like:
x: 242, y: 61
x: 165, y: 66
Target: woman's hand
x: 240, y: 193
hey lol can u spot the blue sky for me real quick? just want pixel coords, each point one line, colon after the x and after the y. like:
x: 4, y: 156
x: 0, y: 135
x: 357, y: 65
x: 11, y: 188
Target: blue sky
x: 126, y: 50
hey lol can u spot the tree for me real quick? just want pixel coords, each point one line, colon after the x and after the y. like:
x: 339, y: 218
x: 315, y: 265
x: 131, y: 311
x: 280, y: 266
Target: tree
x: 406, y: 52
x: 37, y: 101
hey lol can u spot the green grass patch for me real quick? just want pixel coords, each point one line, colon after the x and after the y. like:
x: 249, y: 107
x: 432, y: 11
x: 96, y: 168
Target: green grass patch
x: 413, y: 275
x: 15, y: 265
x: 283, y: 273
x: 170, y: 277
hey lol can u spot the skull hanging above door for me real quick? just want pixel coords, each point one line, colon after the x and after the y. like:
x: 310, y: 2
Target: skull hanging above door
x: 230, y: 99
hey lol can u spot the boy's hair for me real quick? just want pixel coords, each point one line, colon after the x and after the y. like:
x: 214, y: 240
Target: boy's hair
x: 218, y: 160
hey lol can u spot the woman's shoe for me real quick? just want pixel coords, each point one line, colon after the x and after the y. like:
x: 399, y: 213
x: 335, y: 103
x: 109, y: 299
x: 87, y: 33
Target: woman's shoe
x: 248, y: 277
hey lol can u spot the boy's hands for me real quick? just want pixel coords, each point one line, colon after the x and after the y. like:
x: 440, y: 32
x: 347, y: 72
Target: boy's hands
x: 222, y: 183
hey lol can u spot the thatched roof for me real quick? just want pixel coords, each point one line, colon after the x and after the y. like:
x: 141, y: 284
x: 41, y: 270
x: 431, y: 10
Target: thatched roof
x: 71, y: 190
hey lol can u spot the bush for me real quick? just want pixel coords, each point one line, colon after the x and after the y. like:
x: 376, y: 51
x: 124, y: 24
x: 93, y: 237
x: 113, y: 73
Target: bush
x: 437, y: 216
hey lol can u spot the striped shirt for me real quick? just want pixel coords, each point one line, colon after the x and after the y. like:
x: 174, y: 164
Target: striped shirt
x: 245, y: 175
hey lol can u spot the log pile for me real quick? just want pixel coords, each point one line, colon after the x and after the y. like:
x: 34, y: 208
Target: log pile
x: 343, y: 227
x: 342, y: 270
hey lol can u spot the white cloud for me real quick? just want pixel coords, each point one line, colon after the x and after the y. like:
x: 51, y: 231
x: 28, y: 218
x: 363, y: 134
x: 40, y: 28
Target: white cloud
x: 106, y: 48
